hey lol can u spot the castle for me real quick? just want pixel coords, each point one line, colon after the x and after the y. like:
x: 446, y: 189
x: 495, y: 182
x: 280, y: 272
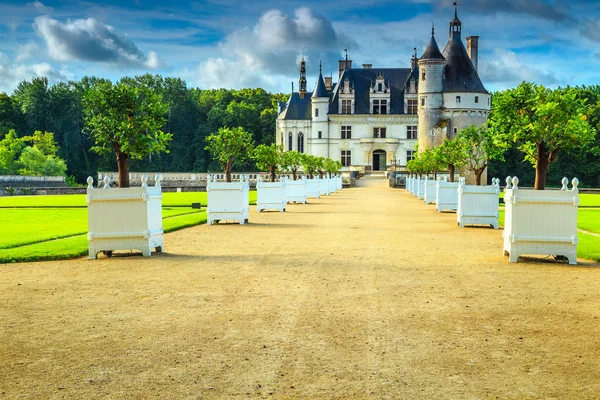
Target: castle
x: 372, y: 118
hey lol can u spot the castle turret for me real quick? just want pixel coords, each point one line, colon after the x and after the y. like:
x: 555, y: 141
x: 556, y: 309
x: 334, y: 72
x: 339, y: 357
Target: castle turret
x: 431, y: 83
x: 320, y: 119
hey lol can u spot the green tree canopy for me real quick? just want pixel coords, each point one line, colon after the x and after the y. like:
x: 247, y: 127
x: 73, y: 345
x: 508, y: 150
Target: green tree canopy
x: 541, y: 122
x: 230, y: 146
x: 291, y: 161
x: 482, y: 145
x: 268, y: 158
x: 452, y: 154
x: 126, y: 120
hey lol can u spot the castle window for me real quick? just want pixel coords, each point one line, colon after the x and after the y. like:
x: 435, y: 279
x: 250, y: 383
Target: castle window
x: 346, y: 158
x: 455, y: 131
x: 410, y: 155
x: 346, y: 106
x: 290, y: 141
x: 320, y: 135
x: 379, y: 133
x: 458, y: 99
x: 316, y: 112
x: 346, y: 132
x: 423, y: 75
x: 432, y: 132
x: 379, y: 106
x: 423, y: 102
x: 476, y: 99
x: 380, y: 87
x: 412, y: 106
x: 301, y: 142
x: 411, y: 132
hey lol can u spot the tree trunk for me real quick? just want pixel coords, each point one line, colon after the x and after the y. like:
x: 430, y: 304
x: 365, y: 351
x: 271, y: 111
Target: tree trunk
x: 451, y: 172
x: 272, y: 173
x: 435, y: 176
x: 541, y: 166
x: 228, y: 171
x: 320, y: 175
x: 123, y: 168
x: 294, y: 174
x: 478, y: 173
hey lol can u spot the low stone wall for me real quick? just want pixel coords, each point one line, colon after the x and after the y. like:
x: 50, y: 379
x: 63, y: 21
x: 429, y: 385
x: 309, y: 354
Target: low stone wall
x: 18, y: 181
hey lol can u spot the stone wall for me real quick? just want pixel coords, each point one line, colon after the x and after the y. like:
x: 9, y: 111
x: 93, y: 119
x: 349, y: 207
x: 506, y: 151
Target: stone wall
x: 18, y: 181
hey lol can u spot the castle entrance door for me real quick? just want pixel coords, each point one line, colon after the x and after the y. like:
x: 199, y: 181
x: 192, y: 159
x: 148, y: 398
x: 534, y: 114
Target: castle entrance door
x: 379, y: 160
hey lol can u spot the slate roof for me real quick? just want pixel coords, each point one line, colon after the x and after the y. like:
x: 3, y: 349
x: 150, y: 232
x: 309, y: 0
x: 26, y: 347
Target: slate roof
x: 461, y: 75
x: 320, y: 89
x: 297, y: 108
x: 432, y: 51
x: 361, y: 80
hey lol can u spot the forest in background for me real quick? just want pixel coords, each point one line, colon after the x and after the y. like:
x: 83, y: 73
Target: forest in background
x: 193, y: 114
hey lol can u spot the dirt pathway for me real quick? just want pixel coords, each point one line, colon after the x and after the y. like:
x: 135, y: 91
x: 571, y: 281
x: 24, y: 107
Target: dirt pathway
x: 367, y: 293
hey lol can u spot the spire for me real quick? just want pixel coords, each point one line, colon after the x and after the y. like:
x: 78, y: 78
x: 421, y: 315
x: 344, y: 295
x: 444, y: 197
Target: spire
x: 320, y: 88
x: 455, y: 24
x: 432, y: 51
x: 302, y: 90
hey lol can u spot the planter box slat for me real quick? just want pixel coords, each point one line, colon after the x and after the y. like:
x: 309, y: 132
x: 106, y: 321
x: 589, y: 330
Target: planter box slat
x: 227, y: 201
x: 270, y: 195
x: 296, y: 191
x: 478, y: 205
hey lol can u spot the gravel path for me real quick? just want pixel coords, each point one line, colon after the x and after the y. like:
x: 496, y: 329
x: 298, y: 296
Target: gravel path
x: 367, y: 293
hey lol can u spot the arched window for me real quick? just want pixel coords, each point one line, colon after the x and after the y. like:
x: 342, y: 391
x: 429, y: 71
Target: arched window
x: 290, y: 141
x: 301, y: 142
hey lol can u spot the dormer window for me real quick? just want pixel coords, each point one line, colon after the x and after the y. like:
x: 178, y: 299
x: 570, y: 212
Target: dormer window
x: 380, y: 87
x: 380, y: 106
x: 458, y: 99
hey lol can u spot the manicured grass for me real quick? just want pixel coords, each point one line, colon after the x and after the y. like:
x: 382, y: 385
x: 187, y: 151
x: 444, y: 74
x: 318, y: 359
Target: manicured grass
x: 76, y: 246
x: 589, y: 219
x: 589, y: 200
x: 31, y: 225
x: 170, y: 199
x: 588, y: 247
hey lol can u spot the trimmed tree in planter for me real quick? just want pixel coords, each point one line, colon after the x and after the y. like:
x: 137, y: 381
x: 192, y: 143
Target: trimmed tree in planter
x: 291, y: 161
x: 127, y: 120
x: 228, y: 200
x: 230, y: 146
x: 310, y: 165
x: 541, y: 121
x: 270, y: 195
x: 481, y: 146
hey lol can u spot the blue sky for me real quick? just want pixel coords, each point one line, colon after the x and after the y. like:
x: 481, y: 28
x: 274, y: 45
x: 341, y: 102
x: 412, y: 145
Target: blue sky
x: 235, y: 43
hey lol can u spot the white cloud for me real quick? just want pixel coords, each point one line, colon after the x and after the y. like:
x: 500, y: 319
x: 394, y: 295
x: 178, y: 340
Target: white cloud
x: 26, y: 52
x: 93, y: 41
x: 39, y: 6
x: 265, y: 55
x: 505, y: 68
x: 13, y: 73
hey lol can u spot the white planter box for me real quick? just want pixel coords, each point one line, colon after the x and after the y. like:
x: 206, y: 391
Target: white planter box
x: 124, y: 218
x: 408, y: 183
x: 227, y: 200
x: 430, y: 191
x: 540, y: 221
x: 312, y: 187
x: 296, y: 191
x: 421, y: 189
x: 478, y: 204
x: 338, y: 180
x: 324, y: 186
x: 447, y: 196
x: 270, y: 195
x: 332, y: 184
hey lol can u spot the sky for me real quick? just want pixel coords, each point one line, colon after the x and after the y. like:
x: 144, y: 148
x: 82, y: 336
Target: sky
x: 241, y: 43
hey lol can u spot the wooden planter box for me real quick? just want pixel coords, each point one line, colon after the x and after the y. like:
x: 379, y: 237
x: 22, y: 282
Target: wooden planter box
x: 227, y: 201
x: 312, y: 187
x: 478, y: 205
x: 414, y: 185
x: 540, y: 221
x: 338, y: 180
x: 270, y: 195
x: 124, y: 218
x: 430, y: 190
x: 421, y: 189
x: 324, y: 186
x: 296, y: 191
x: 447, y: 196
x: 332, y: 184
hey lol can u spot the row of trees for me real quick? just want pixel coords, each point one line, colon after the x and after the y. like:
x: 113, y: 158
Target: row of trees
x: 232, y: 146
x: 537, y: 121
x: 190, y: 115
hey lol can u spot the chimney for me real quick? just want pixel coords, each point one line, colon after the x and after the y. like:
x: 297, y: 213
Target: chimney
x: 342, y: 65
x: 367, y: 66
x: 473, y: 49
x: 328, y: 82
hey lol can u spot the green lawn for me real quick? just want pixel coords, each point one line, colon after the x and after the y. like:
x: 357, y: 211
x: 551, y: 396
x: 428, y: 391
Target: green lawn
x: 36, y: 228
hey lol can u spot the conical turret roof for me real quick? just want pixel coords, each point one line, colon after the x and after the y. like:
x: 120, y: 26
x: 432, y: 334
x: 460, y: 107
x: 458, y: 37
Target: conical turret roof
x: 432, y: 51
x: 320, y: 89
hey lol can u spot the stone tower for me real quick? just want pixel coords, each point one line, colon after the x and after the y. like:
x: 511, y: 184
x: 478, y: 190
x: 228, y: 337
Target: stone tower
x: 302, y: 82
x: 320, y: 119
x: 431, y: 83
